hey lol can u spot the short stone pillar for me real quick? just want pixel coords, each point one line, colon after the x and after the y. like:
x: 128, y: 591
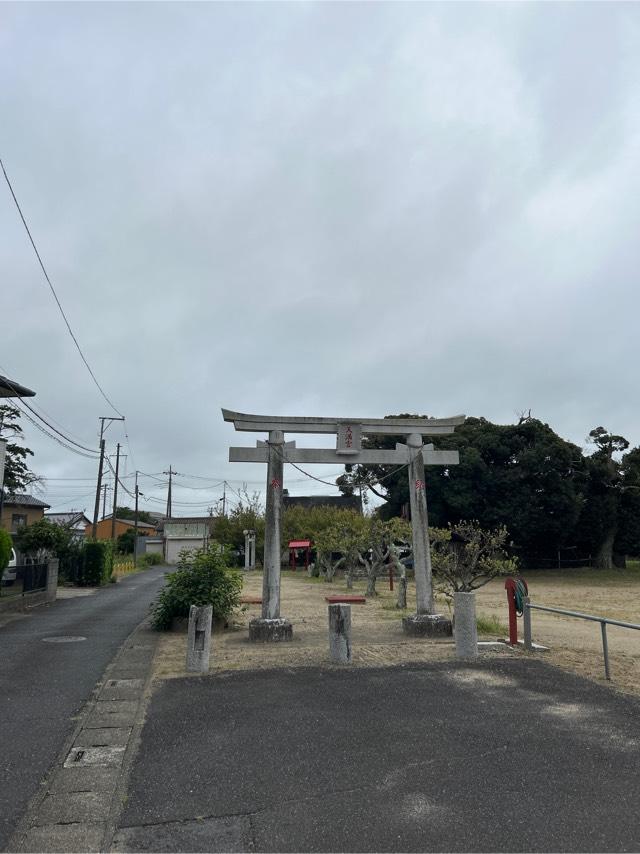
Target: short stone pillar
x: 199, y: 638
x: 264, y: 630
x: 340, y: 634
x: 53, y: 566
x: 466, y: 629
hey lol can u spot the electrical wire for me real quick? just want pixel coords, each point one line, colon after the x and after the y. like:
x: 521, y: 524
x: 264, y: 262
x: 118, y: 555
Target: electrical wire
x: 54, y: 437
x: 55, y: 296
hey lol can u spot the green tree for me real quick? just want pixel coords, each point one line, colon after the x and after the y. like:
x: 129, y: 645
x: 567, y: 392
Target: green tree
x: 17, y: 474
x: 128, y: 513
x: 126, y: 541
x: 43, y: 538
x: 246, y: 515
x: 465, y: 557
x: 522, y: 476
x: 599, y: 524
x: 5, y: 550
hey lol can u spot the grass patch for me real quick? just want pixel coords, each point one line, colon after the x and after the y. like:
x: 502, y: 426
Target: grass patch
x: 490, y: 625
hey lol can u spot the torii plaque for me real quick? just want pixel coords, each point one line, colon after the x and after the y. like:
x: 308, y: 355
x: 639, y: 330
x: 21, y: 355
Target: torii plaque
x: 415, y: 454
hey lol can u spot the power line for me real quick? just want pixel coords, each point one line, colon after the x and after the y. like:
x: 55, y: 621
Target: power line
x: 55, y: 296
x: 34, y: 412
x: 54, y: 437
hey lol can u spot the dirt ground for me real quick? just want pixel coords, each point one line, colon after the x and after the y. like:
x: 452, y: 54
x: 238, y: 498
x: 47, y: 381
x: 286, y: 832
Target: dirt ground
x: 576, y: 644
x: 378, y: 638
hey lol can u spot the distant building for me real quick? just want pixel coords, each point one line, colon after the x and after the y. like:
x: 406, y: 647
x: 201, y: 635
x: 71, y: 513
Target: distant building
x: 103, y: 530
x: 188, y: 532
x: 21, y: 510
x: 75, y: 520
x: 340, y: 502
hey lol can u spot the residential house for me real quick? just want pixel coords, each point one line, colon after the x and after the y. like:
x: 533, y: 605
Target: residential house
x: 20, y: 510
x: 103, y: 530
x: 75, y: 520
x: 193, y: 532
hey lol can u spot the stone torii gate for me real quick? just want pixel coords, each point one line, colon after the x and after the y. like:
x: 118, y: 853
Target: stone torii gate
x: 414, y: 454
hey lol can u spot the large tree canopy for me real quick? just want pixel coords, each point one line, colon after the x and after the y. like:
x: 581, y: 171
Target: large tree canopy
x: 522, y: 476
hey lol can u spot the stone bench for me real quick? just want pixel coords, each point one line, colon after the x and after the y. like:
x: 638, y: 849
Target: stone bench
x: 345, y: 600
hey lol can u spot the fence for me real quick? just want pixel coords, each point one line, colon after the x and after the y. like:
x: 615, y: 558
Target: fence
x: 30, y: 578
x: 604, y: 622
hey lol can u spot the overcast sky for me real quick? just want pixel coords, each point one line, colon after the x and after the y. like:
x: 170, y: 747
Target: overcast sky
x: 317, y: 209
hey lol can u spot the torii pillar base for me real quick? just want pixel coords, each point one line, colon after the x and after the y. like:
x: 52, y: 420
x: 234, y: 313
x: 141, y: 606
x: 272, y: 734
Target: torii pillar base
x: 427, y: 626
x: 263, y: 630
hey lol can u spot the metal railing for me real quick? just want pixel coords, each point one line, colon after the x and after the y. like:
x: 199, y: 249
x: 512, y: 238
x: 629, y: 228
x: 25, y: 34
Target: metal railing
x: 604, y: 622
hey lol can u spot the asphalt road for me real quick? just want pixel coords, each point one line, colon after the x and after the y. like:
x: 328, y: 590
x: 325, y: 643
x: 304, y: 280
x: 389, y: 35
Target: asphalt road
x: 504, y: 755
x: 43, y: 684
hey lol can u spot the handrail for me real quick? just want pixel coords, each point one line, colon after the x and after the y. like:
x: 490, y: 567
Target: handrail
x: 604, y: 622
x: 584, y: 616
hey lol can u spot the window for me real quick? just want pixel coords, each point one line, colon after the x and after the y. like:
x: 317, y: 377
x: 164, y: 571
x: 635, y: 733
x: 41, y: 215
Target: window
x: 17, y: 521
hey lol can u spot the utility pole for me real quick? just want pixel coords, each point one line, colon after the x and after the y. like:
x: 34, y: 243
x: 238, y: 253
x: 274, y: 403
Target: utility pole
x: 135, y: 541
x: 96, y: 510
x: 105, y: 489
x: 115, y: 494
x: 103, y: 418
x: 170, y: 473
x: 224, y: 498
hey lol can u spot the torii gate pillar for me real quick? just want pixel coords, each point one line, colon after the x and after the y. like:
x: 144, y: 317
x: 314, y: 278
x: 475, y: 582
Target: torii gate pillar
x: 424, y: 621
x: 271, y: 627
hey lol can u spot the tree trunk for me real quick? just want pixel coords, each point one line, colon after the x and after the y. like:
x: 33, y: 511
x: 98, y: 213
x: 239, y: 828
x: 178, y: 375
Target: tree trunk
x: 604, y: 558
x: 402, y: 592
x: 371, y: 585
x: 348, y: 577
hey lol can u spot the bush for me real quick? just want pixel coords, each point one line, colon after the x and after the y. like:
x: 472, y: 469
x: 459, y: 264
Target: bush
x: 150, y: 559
x: 98, y: 563
x: 125, y: 542
x: 203, y: 577
x: 5, y: 550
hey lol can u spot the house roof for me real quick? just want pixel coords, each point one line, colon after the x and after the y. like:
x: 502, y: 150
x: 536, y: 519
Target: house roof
x: 68, y: 518
x: 24, y: 501
x: 132, y: 523
x: 10, y: 388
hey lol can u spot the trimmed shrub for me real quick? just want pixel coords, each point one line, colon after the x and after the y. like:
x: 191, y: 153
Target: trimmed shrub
x: 203, y: 577
x: 5, y: 550
x: 98, y: 563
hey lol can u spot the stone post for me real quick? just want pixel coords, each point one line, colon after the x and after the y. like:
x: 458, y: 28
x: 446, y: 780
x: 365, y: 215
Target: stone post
x: 466, y: 630
x: 53, y: 566
x: 199, y: 638
x: 247, y: 549
x: 424, y: 621
x: 340, y: 634
x: 271, y: 627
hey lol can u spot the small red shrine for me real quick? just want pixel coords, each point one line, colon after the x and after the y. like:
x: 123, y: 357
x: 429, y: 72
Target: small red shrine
x: 294, y: 547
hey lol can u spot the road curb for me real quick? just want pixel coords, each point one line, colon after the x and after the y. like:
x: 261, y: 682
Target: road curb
x: 79, y: 802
